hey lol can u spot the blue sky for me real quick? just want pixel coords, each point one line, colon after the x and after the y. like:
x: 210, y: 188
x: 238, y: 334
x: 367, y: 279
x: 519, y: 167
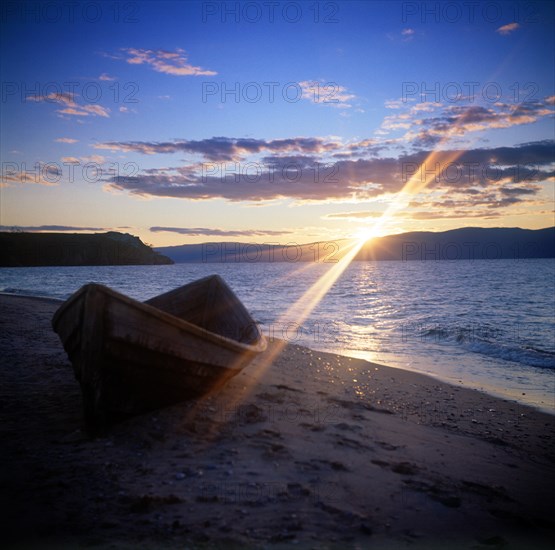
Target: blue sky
x: 120, y: 107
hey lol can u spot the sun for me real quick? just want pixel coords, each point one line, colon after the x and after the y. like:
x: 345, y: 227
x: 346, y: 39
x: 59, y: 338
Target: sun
x: 366, y: 233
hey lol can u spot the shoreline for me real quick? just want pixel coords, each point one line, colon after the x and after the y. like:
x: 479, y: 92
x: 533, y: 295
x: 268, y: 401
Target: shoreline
x: 33, y: 297
x: 317, y: 449
x: 492, y: 391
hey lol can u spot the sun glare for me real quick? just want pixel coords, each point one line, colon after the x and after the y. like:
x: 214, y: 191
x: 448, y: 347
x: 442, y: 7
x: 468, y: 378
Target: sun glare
x: 305, y: 305
x: 365, y: 234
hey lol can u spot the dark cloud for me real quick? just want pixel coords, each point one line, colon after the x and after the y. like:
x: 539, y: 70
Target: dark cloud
x: 204, y: 231
x: 32, y: 228
x: 304, y: 177
x: 450, y: 214
x: 484, y: 167
x: 300, y: 178
x: 474, y: 203
x: 515, y: 191
x: 222, y: 149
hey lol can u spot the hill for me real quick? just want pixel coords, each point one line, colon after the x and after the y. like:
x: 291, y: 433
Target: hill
x: 51, y: 249
x: 468, y: 243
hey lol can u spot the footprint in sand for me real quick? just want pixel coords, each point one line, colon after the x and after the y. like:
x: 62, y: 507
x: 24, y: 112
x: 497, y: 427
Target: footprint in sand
x: 358, y: 406
x: 352, y: 443
x: 348, y: 427
x: 312, y: 427
x: 402, y: 468
x: 336, y: 465
x: 445, y: 495
x: 388, y: 446
x: 288, y: 388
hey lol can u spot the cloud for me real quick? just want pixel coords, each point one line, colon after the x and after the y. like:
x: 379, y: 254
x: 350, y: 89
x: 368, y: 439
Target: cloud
x: 364, y: 147
x: 457, y: 120
x: 357, y: 215
x: 408, y: 34
x: 37, y: 228
x: 47, y: 174
x: 67, y: 100
x: 106, y: 77
x: 97, y: 110
x: 477, y: 203
x: 204, y: 231
x: 507, y: 29
x: 394, y: 104
x: 449, y: 214
x: 220, y: 149
x: 167, y: 62
x: 472, y: 200
x: 95, y: 159
x: 306, y: 178
x: 66, y: 140
x: 326, y: 93
x: 396, y: 122
x: 528, y: 162
x: 91, y: 159
x: 404, y: 35
x: 426, y: 106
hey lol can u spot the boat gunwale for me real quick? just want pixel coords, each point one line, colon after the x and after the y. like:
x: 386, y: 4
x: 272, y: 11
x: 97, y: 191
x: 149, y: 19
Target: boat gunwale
x: 234, y: 345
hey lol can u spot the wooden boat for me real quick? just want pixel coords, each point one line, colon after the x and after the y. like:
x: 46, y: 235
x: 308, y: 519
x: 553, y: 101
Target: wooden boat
x: 131, y: 357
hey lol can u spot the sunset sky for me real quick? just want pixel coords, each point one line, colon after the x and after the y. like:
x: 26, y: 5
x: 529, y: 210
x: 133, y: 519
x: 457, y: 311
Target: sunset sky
x: 185, y: 122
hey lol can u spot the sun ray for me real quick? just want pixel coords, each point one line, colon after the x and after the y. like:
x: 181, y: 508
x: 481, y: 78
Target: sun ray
x: 305, y: 305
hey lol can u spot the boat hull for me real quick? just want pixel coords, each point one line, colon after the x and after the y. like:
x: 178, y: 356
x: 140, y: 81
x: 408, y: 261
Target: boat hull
x: 131, y: 357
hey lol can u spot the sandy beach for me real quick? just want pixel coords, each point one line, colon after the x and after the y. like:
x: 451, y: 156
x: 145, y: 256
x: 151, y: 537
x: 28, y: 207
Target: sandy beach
x: 314, y: 451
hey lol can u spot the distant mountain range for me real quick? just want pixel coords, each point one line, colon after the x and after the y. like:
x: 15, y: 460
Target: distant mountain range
x: 113, y: 248
x: 468, y: 243
x: 19, y: 249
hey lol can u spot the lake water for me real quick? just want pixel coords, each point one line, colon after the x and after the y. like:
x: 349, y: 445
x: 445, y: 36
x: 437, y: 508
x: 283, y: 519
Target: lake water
x: 489, y: 324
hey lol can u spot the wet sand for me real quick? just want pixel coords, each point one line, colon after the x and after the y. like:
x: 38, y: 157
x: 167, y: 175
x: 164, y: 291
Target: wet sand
x: 315, y: 451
